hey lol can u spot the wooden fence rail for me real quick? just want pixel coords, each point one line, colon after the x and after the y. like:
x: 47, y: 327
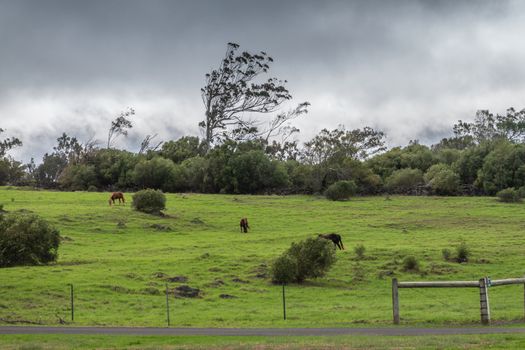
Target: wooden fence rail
x: 483, y: 284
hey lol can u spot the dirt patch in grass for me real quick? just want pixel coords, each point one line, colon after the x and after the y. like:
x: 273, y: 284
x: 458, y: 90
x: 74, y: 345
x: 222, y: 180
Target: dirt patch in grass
x: 239, y: 280
x: 227, y: 296
x: 178, y: 279
x: 216, y: 283
x: 186, y: 291
x: 160, y: 227
x: 197, y: 221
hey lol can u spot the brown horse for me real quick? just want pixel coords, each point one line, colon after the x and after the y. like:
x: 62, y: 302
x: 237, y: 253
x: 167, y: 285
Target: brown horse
x: 335, y: 238
x: 244, y: 225
x: 115, y: 196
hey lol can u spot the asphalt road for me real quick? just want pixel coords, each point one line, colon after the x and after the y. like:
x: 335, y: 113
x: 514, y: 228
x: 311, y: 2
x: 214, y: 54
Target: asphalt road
x: 402, y: 331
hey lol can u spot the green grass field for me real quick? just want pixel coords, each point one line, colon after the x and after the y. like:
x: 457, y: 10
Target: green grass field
x: 66, y: 342
x: 118, y: 260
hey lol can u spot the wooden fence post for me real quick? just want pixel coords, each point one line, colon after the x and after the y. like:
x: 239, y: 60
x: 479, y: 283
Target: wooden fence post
x: 484, y: 301
x: 395, y: 300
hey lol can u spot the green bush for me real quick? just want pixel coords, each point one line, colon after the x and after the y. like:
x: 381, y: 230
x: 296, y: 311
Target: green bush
x: 410, y: 263
x: 509, y: 195
x: 310, y: 258
x: 284, y: 269
x: 462, y: 253
x: 442, y: 179
x: 341, y: 190
x: 359, y: 251
x: 404, y: 180
x: 149, y: 201
x: 26, y: 239
x: 156, y: 173
x: 521, y: 192
x: 447, y: 254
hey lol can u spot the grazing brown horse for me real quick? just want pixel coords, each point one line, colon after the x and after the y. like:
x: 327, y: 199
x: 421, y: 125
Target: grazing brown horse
x: 115, y: 196
x: 334, y: 237
x: 244, y: 225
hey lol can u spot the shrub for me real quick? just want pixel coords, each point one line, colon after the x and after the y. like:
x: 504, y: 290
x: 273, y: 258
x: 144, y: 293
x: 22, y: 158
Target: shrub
x: 404, y: 180
x: 341, y: 190
x: 310, y: 258
x: 410, y: 263
x: 26, y: 239
x: 521, y: 192
x: 359, y: 251
x: 149, y: 201
x: 462, y: 252
x: 156, y: 173
x: 447, y: 254
x: 442, y: 179
x: 284, y: 269
x: 78, y: 177
x: 509, y: 195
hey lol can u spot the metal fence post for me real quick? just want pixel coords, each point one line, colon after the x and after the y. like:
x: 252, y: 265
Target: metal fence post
x: 71, y: 294
x: 284, y: 304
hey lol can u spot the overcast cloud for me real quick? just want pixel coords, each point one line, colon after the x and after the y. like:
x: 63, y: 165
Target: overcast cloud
x: 409, y: 68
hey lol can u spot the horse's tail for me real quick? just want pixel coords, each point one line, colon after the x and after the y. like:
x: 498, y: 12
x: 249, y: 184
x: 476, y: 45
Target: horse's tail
x: 109, y: 201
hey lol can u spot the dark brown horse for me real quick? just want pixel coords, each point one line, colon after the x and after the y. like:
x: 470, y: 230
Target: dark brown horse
x: 115, y: 196
x: 244, y: 225
x: 335, y: 238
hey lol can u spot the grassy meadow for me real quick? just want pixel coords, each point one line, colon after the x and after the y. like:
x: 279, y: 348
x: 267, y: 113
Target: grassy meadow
x: 66, y: 342
x: 119, y: 260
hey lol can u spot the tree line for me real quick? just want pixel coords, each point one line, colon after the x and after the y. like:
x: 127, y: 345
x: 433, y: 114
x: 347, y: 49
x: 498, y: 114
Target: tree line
x: 471, y: 162
x: 244, y: 151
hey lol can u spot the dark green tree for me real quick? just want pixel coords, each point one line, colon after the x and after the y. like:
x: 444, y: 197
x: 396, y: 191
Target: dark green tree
x: 182, y: 149
x: 47, y: 173
x: 158, y: 173
x: 404, y: 180
x: 502, y: 168
x: 336, y: 145
x: 442, y: 179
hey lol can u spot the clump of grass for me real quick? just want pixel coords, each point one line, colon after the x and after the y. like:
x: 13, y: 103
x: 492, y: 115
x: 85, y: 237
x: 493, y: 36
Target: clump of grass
x: 359, y: 251
x: 447, y: 254
x: 462, y: 253
x: 410, y: 264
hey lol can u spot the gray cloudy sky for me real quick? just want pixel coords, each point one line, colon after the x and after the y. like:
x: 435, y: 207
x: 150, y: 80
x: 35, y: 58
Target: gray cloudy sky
x: 409, y: 68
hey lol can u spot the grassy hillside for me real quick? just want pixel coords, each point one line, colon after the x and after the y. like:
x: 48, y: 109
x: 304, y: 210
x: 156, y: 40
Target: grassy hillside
x: 118, y: 260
